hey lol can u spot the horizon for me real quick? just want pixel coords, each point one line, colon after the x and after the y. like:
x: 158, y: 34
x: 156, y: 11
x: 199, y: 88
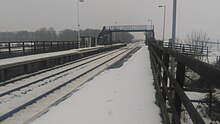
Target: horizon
x: 32, y: 15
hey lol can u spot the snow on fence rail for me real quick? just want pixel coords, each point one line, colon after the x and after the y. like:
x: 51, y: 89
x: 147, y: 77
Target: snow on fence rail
x: 20, y: 48
x: 160, y: 57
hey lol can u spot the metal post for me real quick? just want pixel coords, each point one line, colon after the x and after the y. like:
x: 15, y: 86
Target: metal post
x: 78, y: 33
x: 115, y: 34
x: 23, y: 45
x: 51, y: 46
x: 73, y: 46
x: 9, y: 48
x: 44, y: 48
x: 35, y: 48
x: 57, y: 45
x: 63, y: 45
x: 164, y: 21
x: 173, y: 33
x: 78, y: 12
x: 174, y: 24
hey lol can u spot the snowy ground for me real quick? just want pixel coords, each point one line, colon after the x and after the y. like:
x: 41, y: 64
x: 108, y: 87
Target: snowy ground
x: 124, y: 95
x: 35, y: 57
x: 214, y: 51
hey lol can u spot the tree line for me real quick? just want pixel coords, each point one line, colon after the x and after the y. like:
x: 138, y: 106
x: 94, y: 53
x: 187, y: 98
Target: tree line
x: 50, y: 34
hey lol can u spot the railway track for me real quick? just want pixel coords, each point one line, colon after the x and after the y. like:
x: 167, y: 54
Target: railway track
x: 49, y: 73
x: 30, y: 96
x: 46, y: 70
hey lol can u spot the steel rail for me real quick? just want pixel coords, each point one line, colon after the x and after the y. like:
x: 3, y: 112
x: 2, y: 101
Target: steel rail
x: 47, y: 77
x: 45, y: 70
x: 49, y: 69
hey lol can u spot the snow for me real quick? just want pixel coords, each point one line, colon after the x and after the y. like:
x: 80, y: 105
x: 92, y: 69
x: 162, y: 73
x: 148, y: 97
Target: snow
x: 124, y: 95
x: 24, y: 95
x: 21, y: 59
x: 213, y: 55
x: 36, y: 57
x: 214, y: 52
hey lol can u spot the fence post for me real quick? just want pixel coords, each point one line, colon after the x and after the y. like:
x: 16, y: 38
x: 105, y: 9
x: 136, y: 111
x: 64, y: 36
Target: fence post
x: 68, y: 47
x: 72, y: 45
x: 44, y: 48
x: 63, y: 45
x: 166, y: 63
x: 78, y: 45
x: 159, y: 53
x: 9, y: 49
x: 31, y: 47
x: 180, y: 77
x: 51, y: 46
x: 35, y: 47
x: 23, y: 45
x: 57, y: 45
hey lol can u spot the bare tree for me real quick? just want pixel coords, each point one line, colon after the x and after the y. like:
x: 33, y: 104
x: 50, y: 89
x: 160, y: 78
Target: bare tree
x: 199, y: 41
x: 197, y: 38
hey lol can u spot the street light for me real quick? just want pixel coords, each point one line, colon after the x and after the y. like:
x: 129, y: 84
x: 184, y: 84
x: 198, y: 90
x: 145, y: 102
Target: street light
x: 115, y: 34
x: 174, y: 24
x: 173, y: 34
x: 78, y: 12
x: 164, y: 21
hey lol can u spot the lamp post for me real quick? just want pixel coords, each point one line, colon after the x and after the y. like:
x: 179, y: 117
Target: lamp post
x: 173, y: 34
x: 78, y: 24
x: 164, y: 21
x: 174, y: 24
x: 115, y: 34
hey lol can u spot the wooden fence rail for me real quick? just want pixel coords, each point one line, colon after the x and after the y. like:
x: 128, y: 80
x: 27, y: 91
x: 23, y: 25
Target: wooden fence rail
x: 165, y: 80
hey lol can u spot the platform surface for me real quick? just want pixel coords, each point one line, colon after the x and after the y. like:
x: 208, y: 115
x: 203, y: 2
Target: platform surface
x: 8, y: 62
x: 123, y: 94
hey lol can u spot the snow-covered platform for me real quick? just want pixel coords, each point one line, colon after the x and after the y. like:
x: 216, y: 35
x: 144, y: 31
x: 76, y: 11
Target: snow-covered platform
x: 12, y: 67
x: 122, y: 95
x: 16, y: 61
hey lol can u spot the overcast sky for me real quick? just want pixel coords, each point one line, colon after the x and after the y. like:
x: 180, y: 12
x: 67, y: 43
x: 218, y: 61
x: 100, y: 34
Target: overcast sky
x: 193, y: 15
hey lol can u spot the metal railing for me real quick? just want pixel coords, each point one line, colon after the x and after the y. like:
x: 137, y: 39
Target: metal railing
x: 165, y: 81
x: 21, y: 48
